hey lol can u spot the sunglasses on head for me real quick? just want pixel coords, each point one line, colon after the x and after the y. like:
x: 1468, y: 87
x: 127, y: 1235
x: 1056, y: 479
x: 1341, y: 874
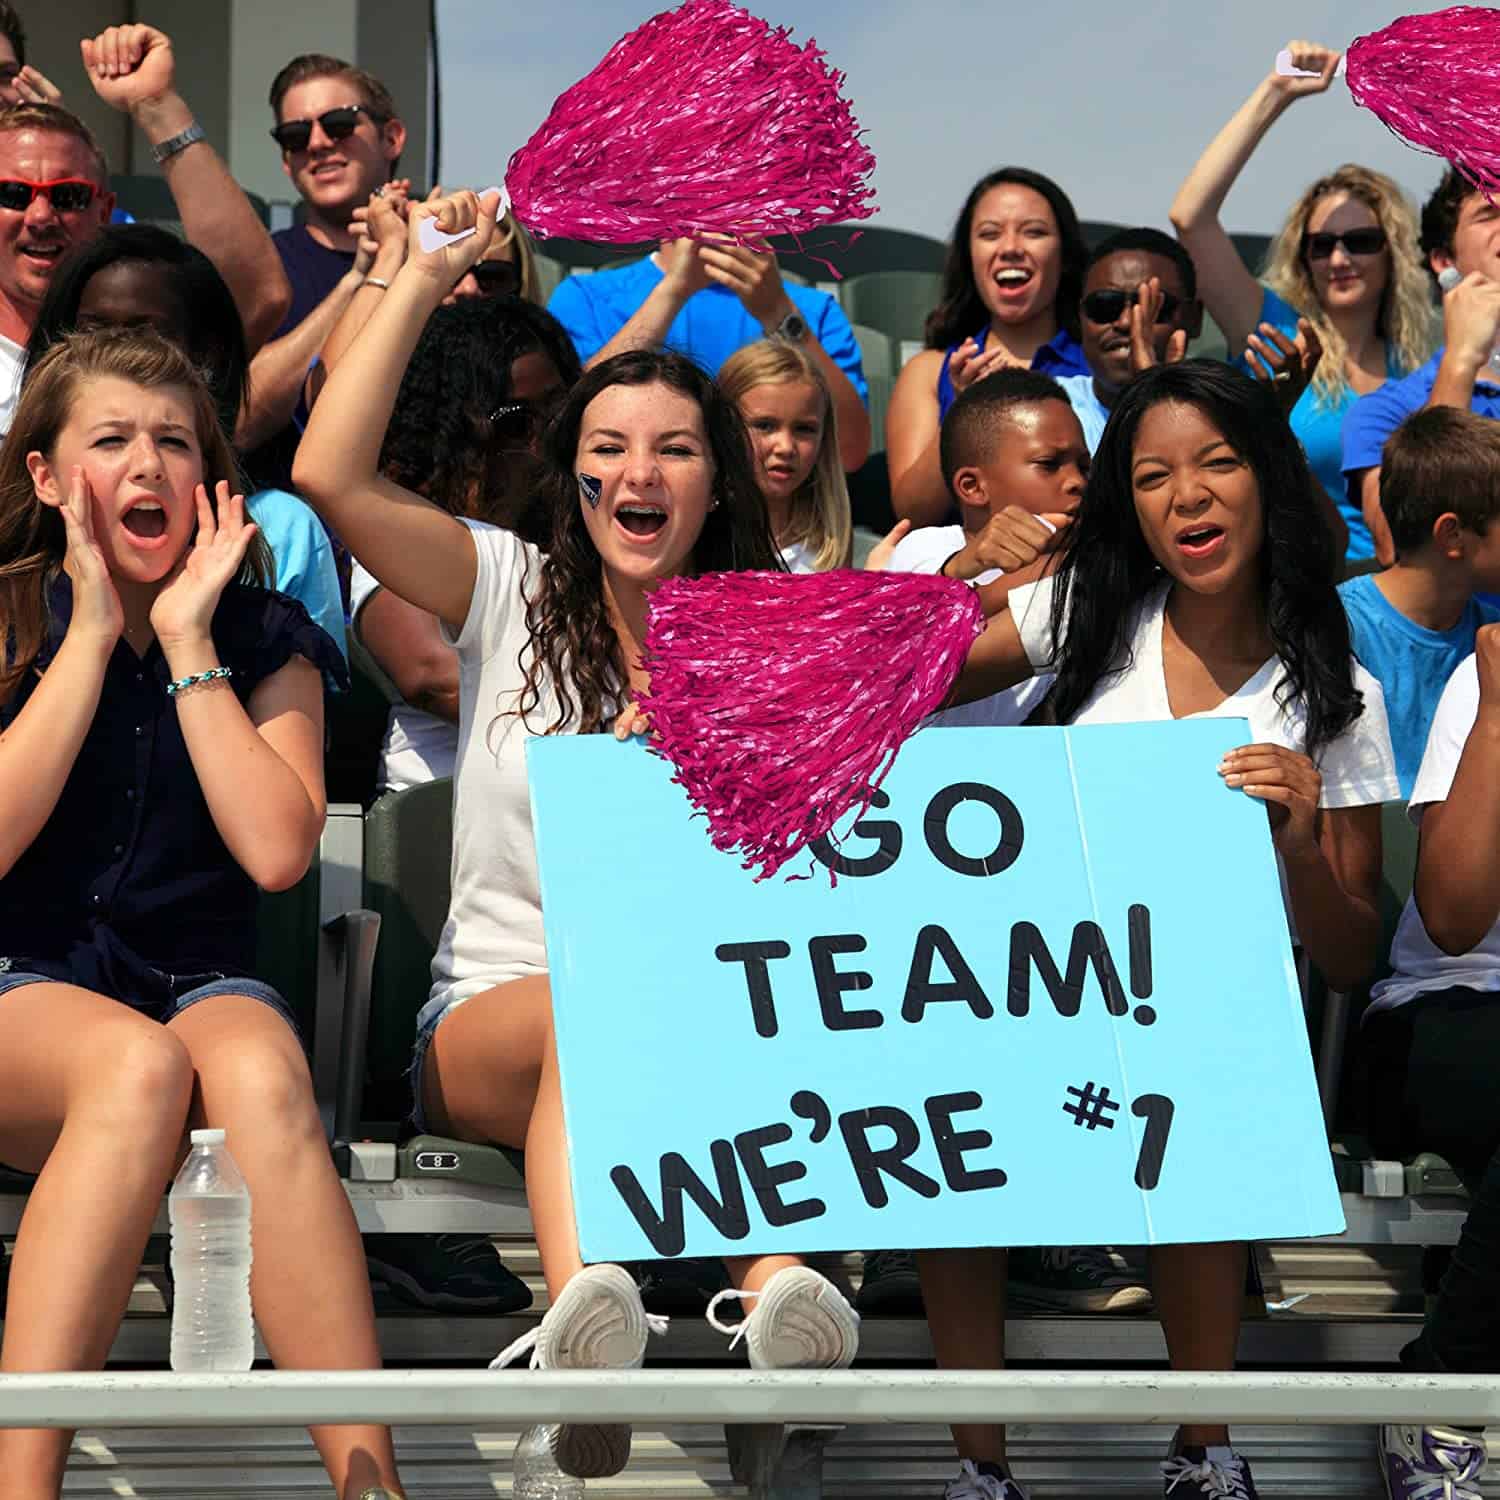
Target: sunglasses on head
x: 67, y: 195
x: 496, y: 278
x: 1355, y: 241
x: 338, y: 125
x: 1106, y: 307
x: 523, y: 420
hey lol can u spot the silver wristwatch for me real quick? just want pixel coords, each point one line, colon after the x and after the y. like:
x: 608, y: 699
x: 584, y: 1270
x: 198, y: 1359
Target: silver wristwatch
x: 167, y: 149
x: 793, y: 327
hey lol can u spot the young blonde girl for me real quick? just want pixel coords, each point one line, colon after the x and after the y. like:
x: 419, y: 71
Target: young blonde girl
x: 161, y: 737
x: 788, y: 411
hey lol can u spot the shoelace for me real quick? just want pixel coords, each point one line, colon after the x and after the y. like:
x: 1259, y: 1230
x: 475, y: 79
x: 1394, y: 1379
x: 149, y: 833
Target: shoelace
x: 1225, y: 1481
x: 729, y: 1294
x: 1462, y: 1463
x: 466, y: 1249
x: 972, y: 1485
x: 1097, y: 1265
x: 655, y: 1323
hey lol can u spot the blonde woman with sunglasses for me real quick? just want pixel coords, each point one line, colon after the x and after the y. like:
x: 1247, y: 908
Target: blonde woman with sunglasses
x: 1345, y: 264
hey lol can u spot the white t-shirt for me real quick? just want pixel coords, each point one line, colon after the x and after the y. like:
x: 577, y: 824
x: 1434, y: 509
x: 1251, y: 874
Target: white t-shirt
x: 419, y: 747
x: 1419, y: 964
x: 798, y: 557
x: 1358, y: 768
x: 925, y: 550
x: 494, y: 928
x: 12, y: 362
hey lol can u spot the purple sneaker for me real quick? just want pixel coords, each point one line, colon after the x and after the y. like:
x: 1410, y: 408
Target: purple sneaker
x: 1217, y: 1473
x: 1430, y: 1463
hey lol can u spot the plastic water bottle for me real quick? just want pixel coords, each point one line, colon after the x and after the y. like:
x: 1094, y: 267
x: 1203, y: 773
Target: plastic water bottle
x: 1448, y: 278
x: 209, y: 1208
x: 534, y: 1471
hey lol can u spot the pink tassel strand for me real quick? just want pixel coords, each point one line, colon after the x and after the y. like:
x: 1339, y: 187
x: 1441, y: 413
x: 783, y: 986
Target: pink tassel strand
x: 1434, y: 80
x: 781, y: 699
x: 705, y: 120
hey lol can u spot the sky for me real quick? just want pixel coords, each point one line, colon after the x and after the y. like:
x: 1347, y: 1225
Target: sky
x: 1115, y: 102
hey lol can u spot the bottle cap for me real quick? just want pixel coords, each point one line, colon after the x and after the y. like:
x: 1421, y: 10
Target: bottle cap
x: 207, y: 1138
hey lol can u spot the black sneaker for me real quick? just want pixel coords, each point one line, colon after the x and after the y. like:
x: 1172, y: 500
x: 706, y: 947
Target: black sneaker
x: 889, y: 1286
x: 678, y: 1288
x: 1217, y: 1473
x: 445, y: 1273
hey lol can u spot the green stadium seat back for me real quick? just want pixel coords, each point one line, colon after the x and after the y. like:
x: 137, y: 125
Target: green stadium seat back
x: 356, y: 729
x: 895, y: 302
x: 881, y: 387
x: 877, y: 351
x: 286, y: 947
x: 1398, y: 868
x: 408, y: 848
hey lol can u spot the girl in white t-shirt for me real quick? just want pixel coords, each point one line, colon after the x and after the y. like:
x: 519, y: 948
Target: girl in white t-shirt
x: 645, y: 474
x: 1197, y: 580
x: 486, y: 375
x: 787, y: 410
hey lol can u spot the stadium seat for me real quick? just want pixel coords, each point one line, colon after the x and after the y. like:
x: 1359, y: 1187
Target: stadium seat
x: 877, y: 352
x: 356, y: 728
x: 895, y: 302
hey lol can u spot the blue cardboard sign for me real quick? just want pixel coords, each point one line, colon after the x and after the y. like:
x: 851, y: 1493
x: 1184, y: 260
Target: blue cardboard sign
x: 1049, y: 1001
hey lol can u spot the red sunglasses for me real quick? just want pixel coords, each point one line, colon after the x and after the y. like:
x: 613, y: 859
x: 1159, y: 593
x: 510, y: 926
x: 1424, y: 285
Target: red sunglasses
x: 67, y: 195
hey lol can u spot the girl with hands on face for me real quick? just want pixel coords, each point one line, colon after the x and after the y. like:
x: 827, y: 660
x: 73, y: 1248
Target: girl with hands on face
x: 645, y: 473
x: 161, y: 759
x: 1196, y: 583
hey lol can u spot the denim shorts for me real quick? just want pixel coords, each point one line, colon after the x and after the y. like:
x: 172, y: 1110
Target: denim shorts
x: 186, y: 990
x: 425, y: 1033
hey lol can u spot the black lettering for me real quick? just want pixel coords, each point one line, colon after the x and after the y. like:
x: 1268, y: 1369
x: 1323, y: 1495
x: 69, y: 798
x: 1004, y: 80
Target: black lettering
x: 951, y: 1144
x: 832, y: 983
x: 923, y: 990
x: 1007, y: 847
x: 726, y: 1212
x: 755, y: 957
x: 869, y: 1163
x: 765, y: 1180
x: 1028, y: 947
x: 886, y: 834
x: 1138, y: 922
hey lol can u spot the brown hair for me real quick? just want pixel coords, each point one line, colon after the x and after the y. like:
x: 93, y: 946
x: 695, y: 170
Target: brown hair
x: 376, y: 96
x: 1440, y: 461
x: 13, y: 31
x: 60, y: 122
x: 33, y: 540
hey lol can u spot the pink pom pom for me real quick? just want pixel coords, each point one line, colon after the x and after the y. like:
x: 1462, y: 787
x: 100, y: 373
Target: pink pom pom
x: 782, y: 699
x: 1434, y: 80
x: 704, y: 120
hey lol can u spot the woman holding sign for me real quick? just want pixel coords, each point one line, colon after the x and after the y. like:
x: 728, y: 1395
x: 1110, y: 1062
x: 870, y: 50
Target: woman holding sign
x: 646, y: 473
x: 1195, y: 580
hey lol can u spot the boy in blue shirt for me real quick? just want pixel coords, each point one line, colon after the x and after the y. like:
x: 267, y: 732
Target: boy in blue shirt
x: 1412, y: 624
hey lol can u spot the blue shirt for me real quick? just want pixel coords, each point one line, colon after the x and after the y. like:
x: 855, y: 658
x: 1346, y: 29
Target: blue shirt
x: 1373, y: 418
x: 1318, y: 422
x: 712, y: 325
x: 1061, y: 355
x: 1092, y: 413
x: 128, y: 888
x: 1411, y: 663
x: 305, y: 569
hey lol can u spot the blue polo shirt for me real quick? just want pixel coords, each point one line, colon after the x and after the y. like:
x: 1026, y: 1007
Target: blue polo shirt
x: 1373, y: 418
x: 712, y: 325
x: 1061, y: 355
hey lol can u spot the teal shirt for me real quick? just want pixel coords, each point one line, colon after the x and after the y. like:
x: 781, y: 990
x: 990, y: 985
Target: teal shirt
x: 305, y: 569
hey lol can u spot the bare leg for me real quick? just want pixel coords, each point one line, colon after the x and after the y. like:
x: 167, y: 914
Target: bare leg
x: 1199, y: 1290
x: 964, y: 1291
x: 491, y: 1075
x: 94, y: 1098
x: 309, y: 1284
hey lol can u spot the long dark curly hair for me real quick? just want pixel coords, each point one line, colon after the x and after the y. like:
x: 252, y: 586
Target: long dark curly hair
x: 445, y: 441
x: 961, y: 310
x: 1109, y: 568
x: 572, y: 644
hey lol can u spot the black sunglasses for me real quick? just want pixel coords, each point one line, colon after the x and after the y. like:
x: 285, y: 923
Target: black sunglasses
x: 1355, y: 241
x: 1106, y: 307
x: 523, y: 420
x: 338, y: 125
x: 496, y: 278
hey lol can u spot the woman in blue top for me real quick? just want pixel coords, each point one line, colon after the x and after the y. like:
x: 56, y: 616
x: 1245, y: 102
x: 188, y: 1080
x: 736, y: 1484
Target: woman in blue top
x: 1010, y: 297
x: 1346, y: 260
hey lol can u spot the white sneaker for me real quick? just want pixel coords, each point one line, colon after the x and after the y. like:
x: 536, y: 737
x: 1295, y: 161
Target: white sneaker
x: 800, y: 1321
x: 973, y: 1483
x: 597, y: 1323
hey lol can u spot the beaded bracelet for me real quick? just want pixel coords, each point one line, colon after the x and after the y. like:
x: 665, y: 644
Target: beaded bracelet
x: 193, y: 679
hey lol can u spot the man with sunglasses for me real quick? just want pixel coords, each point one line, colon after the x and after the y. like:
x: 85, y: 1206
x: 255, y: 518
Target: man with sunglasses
x: 1460, y: 230
x: 1116, y: 281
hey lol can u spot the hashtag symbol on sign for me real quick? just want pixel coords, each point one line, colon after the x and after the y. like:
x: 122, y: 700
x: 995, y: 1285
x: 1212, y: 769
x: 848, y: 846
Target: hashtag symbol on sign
x: 1091, y: 1107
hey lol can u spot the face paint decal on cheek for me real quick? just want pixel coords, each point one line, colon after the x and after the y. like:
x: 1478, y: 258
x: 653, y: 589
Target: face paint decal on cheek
x: 591, y: 489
